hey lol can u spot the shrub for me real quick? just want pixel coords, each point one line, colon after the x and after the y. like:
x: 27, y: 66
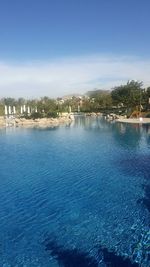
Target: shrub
x: 52, y: 114
x: 36, y: 115
x: 147, y: 115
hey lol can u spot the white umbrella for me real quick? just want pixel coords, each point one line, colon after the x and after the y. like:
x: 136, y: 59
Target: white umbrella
x: 6, y: 112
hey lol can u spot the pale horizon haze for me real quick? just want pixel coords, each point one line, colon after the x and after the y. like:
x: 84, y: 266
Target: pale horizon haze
x: 55, y: 48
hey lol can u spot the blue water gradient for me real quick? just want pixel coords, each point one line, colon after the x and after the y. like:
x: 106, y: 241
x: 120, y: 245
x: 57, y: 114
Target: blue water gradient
x: 75, y: 195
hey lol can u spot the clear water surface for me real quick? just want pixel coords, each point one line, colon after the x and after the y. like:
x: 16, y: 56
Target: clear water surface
x: 75, y: 195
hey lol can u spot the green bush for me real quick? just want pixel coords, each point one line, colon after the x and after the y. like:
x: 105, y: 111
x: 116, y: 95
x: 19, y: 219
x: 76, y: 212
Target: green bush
x: 147, y: 115
x: 36, y: 115
x: 52, y: 114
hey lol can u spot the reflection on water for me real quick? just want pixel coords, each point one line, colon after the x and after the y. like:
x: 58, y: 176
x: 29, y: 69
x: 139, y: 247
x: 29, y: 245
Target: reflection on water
x: 126, y: 135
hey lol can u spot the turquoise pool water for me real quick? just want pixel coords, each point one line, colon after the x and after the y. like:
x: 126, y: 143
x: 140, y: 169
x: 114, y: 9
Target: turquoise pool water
x: 75, y: 195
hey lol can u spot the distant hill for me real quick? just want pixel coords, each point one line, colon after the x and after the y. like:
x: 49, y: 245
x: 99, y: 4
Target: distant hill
x: 97, y: 92
x: 72, y: 95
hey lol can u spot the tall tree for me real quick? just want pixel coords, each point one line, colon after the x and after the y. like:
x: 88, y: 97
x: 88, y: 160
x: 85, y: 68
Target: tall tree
x: 130, y: 95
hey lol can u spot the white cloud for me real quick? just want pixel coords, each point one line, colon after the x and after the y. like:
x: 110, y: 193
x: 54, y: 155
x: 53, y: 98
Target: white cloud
x: 70, y: 75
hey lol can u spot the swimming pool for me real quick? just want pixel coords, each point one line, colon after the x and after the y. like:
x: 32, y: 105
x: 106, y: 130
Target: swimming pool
x: 75, y: 195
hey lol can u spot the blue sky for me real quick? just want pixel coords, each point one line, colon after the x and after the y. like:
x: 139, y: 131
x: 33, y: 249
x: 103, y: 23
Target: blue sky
x: 56, y: 47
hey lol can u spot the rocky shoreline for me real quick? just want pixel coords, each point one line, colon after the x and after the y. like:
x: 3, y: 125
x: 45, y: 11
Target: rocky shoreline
x: 43, y: 122
x: 51, y: 122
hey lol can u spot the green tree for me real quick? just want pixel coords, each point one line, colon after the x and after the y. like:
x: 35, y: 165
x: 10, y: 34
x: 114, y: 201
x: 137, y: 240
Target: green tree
x: 101, y: 99
x: 1, y: 109
x: 9, y: 101
x: 129, y: 95
x: 47, y: 106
